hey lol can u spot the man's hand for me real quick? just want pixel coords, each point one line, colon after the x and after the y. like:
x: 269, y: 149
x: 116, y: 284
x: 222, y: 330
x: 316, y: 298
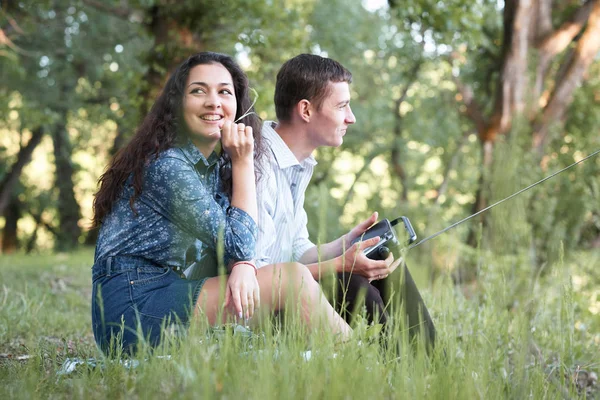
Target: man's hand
x: 361, y: 228
x: 355, y: 261
x: 242, y: 294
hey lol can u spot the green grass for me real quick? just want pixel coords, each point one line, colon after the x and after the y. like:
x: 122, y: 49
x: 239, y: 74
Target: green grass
x: 504, y: 337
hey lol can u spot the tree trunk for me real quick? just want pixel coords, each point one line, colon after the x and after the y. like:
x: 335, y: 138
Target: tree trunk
x: 397, y: 146
x: 68, y: 208
x: 487, y: 151
x: 12, y: 214
x: 23, y: 158
x: 569, y: 77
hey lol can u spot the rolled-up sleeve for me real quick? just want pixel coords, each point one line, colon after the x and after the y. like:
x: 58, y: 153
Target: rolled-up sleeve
x: 240, y: 243
x: 173, y: 185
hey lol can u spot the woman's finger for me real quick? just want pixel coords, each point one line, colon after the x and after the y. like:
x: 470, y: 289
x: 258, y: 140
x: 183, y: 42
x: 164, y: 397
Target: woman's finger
x: 256, y: 296
x: 244, y: 302
x: 240, y: 133
x: 227, y: 302
x: 226, y: 132
x: 237, y: 302
x: 250, y: 309
x: 249, y: 133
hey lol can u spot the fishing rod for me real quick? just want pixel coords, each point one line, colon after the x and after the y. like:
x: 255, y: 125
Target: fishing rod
x: 384, y: 228
x: 412, y: 246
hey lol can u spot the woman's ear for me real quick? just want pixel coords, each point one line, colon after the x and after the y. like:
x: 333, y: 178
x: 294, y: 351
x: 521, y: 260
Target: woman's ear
x: 304, y: 109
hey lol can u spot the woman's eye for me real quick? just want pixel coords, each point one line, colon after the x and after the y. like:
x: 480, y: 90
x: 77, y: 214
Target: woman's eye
x: 196, y: 91
x: 226, y: 91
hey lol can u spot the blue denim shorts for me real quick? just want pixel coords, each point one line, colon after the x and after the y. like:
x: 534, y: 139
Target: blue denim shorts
x: 132, y: 296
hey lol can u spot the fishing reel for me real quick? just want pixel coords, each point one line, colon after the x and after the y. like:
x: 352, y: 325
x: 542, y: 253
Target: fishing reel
x: 389, y: 238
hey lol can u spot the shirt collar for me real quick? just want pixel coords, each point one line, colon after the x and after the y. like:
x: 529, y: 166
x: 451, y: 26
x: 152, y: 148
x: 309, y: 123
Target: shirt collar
x: 283, y: 155
x: 195, y: 156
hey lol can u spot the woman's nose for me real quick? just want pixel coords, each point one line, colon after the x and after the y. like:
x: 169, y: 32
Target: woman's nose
x: 213, y: 101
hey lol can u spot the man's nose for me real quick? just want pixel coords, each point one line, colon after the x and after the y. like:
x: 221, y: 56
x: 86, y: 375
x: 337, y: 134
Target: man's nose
x: 350, y: 118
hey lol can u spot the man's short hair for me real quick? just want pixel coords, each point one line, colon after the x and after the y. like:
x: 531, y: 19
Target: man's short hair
x: 306, y: 76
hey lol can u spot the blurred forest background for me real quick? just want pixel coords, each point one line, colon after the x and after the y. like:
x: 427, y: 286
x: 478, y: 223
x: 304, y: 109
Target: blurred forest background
x: 458, y: 104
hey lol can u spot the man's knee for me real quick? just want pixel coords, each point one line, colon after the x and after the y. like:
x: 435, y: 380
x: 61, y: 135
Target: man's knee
x: 353, y: 286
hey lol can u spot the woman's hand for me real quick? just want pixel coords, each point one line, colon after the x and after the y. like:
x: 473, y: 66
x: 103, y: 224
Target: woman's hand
x: 242, y: 294
x: 237, y: 141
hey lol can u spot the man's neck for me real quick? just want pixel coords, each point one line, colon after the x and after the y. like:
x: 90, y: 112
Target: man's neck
x: 296, y: 139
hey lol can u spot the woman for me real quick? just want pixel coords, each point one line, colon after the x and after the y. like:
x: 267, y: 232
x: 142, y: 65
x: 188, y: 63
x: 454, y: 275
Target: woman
x: 169, y: 198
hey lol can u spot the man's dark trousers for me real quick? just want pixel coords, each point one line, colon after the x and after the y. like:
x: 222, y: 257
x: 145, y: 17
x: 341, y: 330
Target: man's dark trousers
x: 355, y: 291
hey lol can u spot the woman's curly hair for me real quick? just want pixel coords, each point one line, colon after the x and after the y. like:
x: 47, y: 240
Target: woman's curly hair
x: 161, y: 130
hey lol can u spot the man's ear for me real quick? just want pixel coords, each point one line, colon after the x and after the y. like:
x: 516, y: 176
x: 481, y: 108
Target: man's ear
x: 304, y: 109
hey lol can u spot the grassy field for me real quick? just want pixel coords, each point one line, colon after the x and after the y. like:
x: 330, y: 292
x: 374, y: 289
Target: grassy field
x: 509, y: 336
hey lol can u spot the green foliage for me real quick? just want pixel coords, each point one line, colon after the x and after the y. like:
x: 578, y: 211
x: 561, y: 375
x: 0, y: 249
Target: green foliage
x: 94, y: 64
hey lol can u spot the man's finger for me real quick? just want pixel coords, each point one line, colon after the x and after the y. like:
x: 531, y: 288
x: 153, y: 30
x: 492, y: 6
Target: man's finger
x: 364, y: 225
x: 390, y: 259
x: 394, y: 265
x: 371, y: 220
x: 368, y: 243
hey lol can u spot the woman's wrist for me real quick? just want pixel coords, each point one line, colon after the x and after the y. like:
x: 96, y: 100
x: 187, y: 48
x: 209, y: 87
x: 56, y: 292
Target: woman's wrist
x: 244, y: 161
x: 250, y: 263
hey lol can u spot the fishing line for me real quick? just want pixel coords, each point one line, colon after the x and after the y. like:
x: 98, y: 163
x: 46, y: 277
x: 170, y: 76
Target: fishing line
x: 501, y: 201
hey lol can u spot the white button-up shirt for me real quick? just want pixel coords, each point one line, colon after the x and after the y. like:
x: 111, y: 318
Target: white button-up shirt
x: 282, y: 232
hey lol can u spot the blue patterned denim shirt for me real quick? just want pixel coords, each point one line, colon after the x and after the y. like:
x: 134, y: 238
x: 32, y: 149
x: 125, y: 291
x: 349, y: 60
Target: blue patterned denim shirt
x: 182, y: 209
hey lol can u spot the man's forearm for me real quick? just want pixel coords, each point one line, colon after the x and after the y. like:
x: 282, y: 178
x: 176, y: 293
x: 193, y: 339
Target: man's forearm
x: 318, y: 269
x: 325, y: 252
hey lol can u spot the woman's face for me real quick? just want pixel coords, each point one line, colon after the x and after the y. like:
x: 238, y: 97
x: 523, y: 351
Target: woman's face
x: 209, y: 101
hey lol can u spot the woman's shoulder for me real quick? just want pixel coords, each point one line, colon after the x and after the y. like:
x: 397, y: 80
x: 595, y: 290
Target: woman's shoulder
x: 173, y: 158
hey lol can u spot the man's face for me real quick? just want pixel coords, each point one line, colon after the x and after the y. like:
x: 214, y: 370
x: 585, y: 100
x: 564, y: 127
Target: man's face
x: 330, y: 122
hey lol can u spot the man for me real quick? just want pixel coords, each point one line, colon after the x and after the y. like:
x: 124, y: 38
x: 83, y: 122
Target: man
x: 312, y: 104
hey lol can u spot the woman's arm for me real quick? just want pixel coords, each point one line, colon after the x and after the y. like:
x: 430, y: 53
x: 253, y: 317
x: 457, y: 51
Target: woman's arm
x: 238, y: 142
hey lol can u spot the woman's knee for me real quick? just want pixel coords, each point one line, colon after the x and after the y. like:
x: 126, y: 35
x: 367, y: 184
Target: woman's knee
x: 299, y: 275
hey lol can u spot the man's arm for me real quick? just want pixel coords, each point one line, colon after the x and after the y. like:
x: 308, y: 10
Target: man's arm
x: 356, y: 262
x: 267, y: 232
x: 339, y: 246
x: 339, y: 255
